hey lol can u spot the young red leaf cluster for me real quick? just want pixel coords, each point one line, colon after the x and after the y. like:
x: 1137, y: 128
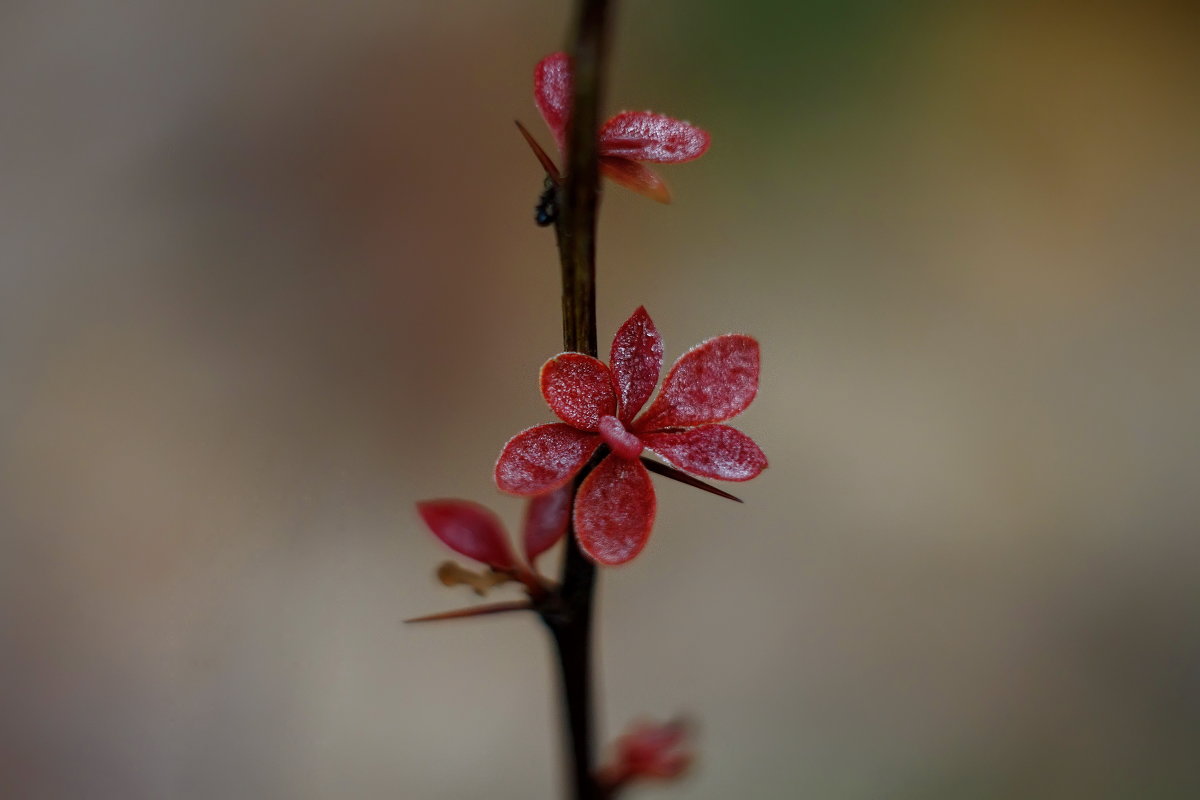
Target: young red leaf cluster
x: 625, y: 140
x: 475, y: 532
x: 599, y: 403
x: 648, y: 750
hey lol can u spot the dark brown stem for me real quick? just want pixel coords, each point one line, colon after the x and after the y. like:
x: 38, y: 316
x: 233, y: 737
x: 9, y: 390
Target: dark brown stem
x: 579, y: 197
x: 569, y: 618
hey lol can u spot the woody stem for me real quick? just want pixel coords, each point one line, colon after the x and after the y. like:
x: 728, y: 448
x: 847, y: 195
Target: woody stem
x: 570, y: 619
x: 578, y: 199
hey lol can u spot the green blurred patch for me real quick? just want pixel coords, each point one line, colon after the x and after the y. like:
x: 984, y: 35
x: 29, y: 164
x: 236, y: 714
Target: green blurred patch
x: 769, y: 60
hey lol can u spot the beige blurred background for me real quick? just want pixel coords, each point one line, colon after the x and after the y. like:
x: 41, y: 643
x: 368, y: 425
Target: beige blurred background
x: 268, y: 276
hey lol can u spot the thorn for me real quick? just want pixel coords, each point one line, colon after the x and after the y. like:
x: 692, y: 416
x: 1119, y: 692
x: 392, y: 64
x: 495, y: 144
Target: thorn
x: 543, y: 159
x: 475, y: 611
x: 683, y: 477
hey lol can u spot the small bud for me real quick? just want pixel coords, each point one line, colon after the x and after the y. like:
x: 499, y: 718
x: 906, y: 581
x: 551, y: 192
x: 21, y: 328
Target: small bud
x: 452, y: 574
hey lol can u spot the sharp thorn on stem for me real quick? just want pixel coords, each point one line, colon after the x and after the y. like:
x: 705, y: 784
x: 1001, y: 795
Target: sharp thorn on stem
x: 545, y: 160
x: 683, y: 477
x: 475, y: 611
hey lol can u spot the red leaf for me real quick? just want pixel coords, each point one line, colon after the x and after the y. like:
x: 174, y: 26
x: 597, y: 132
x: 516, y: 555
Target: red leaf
x: 710, y: 451
x: 553, y: 84
x: 614, y: 511
x: 546, y: 519
x: 636, y: 361
x: 645, y: 136
x: 715, y: 380
x: 542, y: 458
x: 470, y: 529
x: 579, y: 389
x: 636, y: 177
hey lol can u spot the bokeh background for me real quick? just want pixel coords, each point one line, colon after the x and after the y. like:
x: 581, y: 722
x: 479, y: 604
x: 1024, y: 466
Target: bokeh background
x: 268, y: 276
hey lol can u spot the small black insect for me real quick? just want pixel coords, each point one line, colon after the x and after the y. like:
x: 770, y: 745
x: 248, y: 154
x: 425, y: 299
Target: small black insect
x: 547, y: 208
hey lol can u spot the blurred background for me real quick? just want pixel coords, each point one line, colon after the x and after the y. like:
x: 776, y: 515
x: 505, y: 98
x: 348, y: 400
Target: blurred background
x: 268, y: 276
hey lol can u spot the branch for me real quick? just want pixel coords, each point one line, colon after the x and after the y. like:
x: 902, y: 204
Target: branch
x: 570, y: 619
x: 579, y: 195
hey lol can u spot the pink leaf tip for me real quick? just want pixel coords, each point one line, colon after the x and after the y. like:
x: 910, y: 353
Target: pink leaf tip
x: 553, y: 86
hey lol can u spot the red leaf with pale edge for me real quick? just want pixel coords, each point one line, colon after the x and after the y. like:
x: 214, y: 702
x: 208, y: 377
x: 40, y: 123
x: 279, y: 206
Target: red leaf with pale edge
x: 636, y: 177
x: 542, y: 458
x: 710, y: 451
x: 614, y: 511
x: 553, y: 84
x: 646, y: 136
x: 579, y: 389
x: 546, y: 519
x: 636, y: 361
x: 715, y: 380
x: 470, y: 529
